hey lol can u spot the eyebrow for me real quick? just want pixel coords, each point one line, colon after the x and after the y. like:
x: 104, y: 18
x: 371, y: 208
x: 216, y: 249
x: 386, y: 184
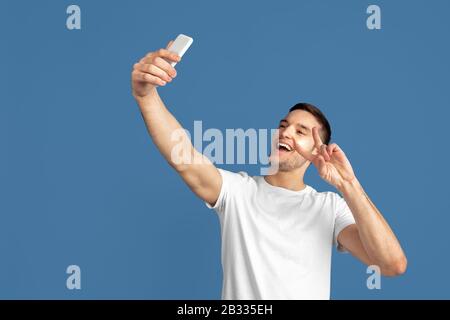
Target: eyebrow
x: 297, y: 125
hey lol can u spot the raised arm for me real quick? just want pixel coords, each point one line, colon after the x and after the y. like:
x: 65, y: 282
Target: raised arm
x: 197, y: 171
x: 371, y: 239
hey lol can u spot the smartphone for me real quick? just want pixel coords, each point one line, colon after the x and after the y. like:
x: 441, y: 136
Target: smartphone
x: 180, y: 46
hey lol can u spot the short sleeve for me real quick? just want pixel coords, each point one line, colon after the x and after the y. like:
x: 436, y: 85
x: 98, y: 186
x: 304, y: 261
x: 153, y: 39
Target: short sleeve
x: 232, y: 183
x: 343, y: 218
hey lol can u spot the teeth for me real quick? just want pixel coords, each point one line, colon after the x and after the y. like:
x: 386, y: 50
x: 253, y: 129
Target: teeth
x: 285, y: 145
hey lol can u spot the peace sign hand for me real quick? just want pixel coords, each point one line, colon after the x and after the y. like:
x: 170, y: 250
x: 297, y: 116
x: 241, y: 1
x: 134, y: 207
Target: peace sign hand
x: 330, y: 161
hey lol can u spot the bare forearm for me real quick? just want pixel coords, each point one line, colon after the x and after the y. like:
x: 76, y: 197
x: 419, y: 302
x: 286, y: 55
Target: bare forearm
x: 376, y: 236
x: 163, y: 127
x: 152, y: 71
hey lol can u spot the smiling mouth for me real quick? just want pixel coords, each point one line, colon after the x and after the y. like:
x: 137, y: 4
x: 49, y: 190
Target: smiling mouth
x: 284, y: 147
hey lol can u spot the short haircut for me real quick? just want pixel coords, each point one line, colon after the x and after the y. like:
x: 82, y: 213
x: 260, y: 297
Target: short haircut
x: 320, y: 117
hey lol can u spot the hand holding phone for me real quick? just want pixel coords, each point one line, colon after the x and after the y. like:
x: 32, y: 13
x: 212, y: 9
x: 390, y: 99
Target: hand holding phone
x: 157, y: 67
x: 180, y: 46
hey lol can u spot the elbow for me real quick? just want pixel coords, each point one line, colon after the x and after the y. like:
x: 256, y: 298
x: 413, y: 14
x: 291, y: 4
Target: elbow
x: 395, y: 268
x: 400, y: 266
x: 180, y: 168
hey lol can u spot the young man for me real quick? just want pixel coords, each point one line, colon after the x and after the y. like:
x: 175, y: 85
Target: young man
x: 277, y: 232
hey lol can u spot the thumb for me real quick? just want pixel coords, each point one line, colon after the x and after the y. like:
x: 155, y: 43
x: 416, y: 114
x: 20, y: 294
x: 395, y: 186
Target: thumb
x: 169, y: 44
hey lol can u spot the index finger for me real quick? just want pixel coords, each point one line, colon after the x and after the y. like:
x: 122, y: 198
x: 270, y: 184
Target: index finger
x: 317, y: 140
x: 169, y: 44
x: 164, y: 53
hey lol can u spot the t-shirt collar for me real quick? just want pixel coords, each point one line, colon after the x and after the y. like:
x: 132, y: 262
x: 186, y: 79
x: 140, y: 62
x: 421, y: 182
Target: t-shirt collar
x: 282, y: 190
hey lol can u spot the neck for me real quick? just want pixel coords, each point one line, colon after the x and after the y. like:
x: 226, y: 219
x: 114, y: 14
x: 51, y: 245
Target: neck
x: 292, y: 180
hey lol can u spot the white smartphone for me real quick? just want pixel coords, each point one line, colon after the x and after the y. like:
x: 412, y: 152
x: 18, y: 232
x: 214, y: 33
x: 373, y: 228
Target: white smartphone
x: 180, y: 46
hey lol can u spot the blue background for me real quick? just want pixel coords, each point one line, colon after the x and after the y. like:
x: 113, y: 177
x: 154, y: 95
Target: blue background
x: 81, y: 182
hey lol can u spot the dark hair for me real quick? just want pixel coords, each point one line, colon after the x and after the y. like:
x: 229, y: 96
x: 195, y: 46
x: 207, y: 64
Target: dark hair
x: 320, y: 117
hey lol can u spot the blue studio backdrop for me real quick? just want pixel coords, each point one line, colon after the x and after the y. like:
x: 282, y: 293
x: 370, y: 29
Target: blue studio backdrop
x: 82, y: 184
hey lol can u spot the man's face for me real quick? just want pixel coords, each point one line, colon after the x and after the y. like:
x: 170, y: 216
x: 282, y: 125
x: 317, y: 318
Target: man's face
x: 295, y: 127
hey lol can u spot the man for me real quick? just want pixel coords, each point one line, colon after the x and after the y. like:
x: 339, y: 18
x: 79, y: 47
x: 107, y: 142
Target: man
x: 277, y: 232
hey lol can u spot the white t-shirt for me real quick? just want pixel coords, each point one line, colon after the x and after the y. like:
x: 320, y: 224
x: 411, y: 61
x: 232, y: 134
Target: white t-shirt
x: 277, y: 243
